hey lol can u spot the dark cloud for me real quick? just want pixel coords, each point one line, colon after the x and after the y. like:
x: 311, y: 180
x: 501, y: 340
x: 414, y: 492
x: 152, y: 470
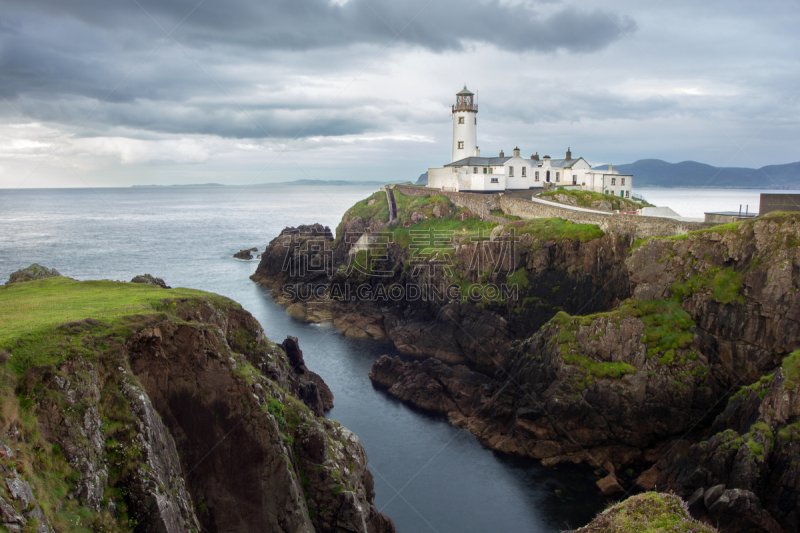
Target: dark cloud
x: 309, y: 24
x: 59, y: 58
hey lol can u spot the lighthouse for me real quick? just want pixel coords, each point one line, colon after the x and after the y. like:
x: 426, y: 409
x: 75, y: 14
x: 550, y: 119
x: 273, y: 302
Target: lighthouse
x: 465, y: 122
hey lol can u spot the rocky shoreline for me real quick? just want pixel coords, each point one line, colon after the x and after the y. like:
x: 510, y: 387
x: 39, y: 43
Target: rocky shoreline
x: 614, y: 353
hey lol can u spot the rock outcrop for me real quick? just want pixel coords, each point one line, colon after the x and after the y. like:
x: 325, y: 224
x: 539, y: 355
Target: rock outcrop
x: 147, y: 279
x: 746, y: 476
x: 35, y: 271
x: 245, y: 255
x: 187, y: 419
x: 651, y: 511
x: 618, y: 385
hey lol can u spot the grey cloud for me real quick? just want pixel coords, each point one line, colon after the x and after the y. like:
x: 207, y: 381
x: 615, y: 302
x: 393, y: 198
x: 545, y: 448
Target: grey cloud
x: 310, y: 24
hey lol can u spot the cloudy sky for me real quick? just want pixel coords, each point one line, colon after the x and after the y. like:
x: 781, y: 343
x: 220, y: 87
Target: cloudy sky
x: 126, y: 92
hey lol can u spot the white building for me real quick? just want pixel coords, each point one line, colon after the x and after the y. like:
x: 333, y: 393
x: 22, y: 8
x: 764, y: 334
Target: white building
x: 468, y: 171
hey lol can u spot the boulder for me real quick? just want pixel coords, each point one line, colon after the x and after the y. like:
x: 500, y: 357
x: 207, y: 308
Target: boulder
x: 565, y: 199
x: 610, y: 485
x: 602, y: 205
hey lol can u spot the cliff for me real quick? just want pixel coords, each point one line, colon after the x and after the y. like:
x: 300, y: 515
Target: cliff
x: 711, y: 312
x: 491, y: 279
x: 613, y: 351
x: 128, y: 407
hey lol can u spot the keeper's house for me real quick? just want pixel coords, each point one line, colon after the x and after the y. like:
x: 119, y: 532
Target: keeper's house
x: 469, y: 172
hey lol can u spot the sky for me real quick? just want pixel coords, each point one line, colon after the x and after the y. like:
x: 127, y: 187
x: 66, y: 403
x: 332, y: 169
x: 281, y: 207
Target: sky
x: 238, y: 92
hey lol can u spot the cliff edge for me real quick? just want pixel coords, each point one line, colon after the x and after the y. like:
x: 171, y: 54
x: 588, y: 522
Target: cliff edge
x: 128, y: 407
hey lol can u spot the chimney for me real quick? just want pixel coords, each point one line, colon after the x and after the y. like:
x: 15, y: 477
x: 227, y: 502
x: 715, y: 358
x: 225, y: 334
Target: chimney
x: 569, y: 153
x: 477, y: 152
x: 516, y: 151
x: 502, y: 154
x: 535, y: 156
x: 611, y: 168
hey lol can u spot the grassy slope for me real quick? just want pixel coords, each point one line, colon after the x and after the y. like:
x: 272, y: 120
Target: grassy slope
x: 556, y: 229
x: 37, y: 306
x: 585, y: 198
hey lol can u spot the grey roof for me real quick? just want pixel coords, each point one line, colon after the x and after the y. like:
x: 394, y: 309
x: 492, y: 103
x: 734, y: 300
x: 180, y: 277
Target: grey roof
x: 479, y: 162
x: 563, y: 163
x: 497, y: 161
x: 464, y: 91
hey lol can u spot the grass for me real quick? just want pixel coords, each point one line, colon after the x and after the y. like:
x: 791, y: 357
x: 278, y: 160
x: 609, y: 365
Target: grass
x: 379, y: 209
x: 791, y: 369
x: 36, y: 306
x: 519, y: 278
x: 556, y: 229
x: 724, y: 284
x: 470, y: 227
x: 667, y: 332
x: 650, y: 512
x: 585, y: 199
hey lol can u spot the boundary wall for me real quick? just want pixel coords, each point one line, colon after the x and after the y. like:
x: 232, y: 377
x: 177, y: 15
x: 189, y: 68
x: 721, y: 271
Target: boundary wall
x: 638, y: 227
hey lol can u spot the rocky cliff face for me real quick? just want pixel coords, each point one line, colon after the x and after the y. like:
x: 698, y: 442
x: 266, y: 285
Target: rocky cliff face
x: 487, y: 286
x: 184, y: 420
x: 613, y: 353
x: 711, y: 312
x: 746, y: 475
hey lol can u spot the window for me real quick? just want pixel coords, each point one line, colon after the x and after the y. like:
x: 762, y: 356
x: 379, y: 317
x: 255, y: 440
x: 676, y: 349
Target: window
x: 510, y: 172
x: 523, y: 171
x: 613, y: 181
x: 476, y: 120
x: 558, y: 176
x: 475, y: 170
x: 490, y: 170
x: 460, y: 145
x: 623, y: 181
x: 460, y: 120
x: 484, y: 170
x: 627, y: 194
x: 495, y: 180
x: 536, y: 177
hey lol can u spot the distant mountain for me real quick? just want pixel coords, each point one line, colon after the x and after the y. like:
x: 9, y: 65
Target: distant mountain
x: 423, y: 179
x: 334, y: 183
x: 186, y: 185
x: 657, y: 173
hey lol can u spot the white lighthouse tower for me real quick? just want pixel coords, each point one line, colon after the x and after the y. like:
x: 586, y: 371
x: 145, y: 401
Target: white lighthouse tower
x: 465, y: 121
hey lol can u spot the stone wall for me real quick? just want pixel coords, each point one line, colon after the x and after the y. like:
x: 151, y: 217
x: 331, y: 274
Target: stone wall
x: 638, y: 227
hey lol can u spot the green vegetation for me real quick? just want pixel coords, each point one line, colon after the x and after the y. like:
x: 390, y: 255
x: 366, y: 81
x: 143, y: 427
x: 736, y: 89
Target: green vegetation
x: 556, y: 229
x: 37, y: 306
x: 725, y: 285
x: 668, y: 331
x: 519, y: 278
x: 650, y: 512
x: 667, y: 327
x: 585, y: 199
x: 379, y: 208
x: 791, y: 369
x: 471, y: 227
